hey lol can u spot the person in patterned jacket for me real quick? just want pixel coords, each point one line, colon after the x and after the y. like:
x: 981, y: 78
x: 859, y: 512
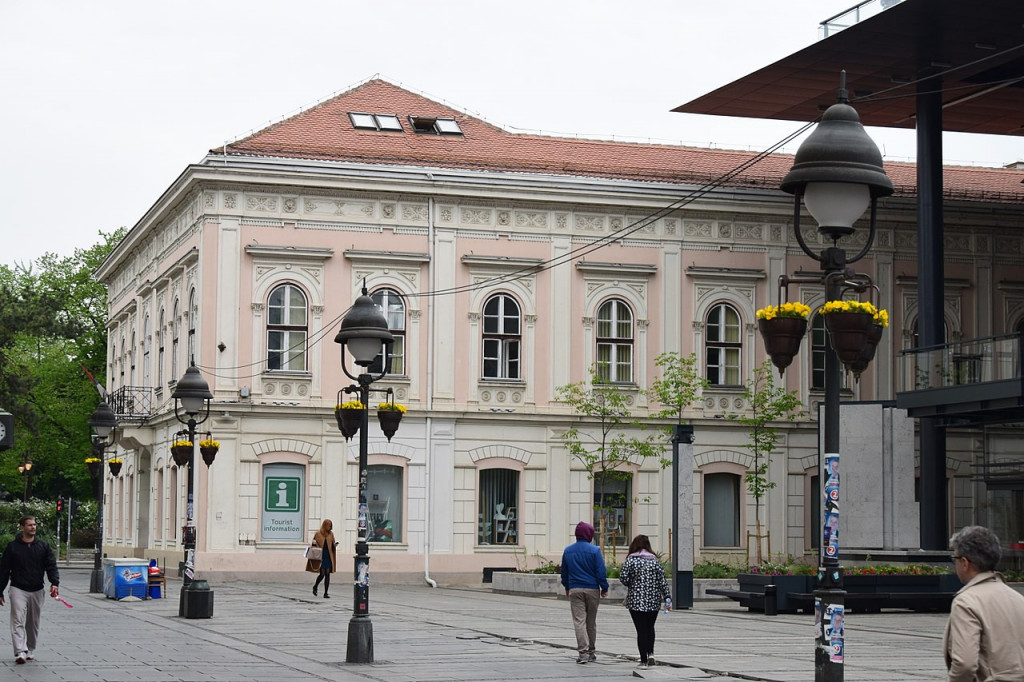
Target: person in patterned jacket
x: 643, y: 575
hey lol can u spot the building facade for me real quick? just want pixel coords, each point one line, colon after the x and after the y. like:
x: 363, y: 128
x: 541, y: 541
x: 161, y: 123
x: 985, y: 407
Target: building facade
x: 508, y: 266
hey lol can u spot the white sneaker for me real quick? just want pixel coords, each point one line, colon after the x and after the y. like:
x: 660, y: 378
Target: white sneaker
x: 20, y: 658
x: 30, y: 655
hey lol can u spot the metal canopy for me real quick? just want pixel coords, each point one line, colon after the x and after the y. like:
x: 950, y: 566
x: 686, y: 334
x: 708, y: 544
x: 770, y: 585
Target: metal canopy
x: 977, y: 47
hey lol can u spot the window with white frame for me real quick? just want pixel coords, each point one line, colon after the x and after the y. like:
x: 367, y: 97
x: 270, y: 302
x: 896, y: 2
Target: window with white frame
x: 722, y: 345
x: 501, y: 338
x: 615, y: 342
x: 384, y: 495
x: 286, y: 329
x: 131, y: 362
x: 721, y: 501
x: 498, y: 511
x: 391, y: 304
x: 612, y: 504
x: 818, y: 350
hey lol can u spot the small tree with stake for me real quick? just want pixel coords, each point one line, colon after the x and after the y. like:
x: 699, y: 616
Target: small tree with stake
x: 606, y: 448
x: 769, y: 403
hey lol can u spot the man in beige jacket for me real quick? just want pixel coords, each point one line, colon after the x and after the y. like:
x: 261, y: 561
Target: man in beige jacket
x: 984, y: 638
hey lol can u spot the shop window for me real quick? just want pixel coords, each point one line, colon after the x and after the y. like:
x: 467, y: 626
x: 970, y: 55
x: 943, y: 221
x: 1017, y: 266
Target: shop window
x: 612, y: 498
x: 384, y: 495
x: 284, y: 489
x: 498, y: 513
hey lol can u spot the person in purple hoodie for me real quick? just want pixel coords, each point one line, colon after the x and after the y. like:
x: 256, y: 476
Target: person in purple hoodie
x: 643, y: 575
x: 585, y: 580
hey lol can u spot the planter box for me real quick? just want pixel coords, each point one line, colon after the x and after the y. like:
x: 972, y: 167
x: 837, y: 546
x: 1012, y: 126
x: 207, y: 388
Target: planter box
x: 903, y: 584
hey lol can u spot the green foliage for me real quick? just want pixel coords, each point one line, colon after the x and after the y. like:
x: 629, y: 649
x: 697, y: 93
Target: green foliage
x: 788, y: 567
x: 52, y: 321
x: 713, y: 568
x: 679, y: 385
x: 898, y: 569
x: 769, y: 403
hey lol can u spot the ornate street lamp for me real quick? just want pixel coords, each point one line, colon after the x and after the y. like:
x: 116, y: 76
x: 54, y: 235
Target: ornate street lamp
x: 103, y: 423
x: 364, y: 332
x: 192, y: 396
x: 838, y: 174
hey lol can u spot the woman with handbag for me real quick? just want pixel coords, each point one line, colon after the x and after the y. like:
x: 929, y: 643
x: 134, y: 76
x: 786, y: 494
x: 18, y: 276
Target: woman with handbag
x: 323, y: 549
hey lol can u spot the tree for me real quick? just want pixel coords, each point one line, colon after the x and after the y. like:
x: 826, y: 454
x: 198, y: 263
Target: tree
x: 52, y: 322
x: 679, y: 385
x: 606, y: 448
x: 768, y: 404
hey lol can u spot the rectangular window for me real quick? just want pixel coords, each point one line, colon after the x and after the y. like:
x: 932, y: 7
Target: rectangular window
x: 721, y: 510
x: 381, y: 122
x: 612, y: 504
x: 286, y: 350
x: 498, y: 518
x: 384, y: 494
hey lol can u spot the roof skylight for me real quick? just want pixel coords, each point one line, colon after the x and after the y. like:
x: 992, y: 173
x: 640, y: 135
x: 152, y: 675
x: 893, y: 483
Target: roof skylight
x: 384, y: 122
x: 435, y: 126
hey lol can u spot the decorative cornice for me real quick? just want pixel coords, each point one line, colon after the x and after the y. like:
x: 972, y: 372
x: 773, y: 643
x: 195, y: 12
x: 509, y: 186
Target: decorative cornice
x: 289, y: 252
x: 386, y: 256
x: 618, y: 269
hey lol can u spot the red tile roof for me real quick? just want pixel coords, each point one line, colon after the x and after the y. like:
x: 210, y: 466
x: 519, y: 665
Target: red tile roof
x: 324, y: 132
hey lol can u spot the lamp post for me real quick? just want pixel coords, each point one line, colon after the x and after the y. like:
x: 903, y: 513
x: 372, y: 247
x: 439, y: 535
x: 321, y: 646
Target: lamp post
x: 192, y: 396
x: 103, y: 422
x: 25, y: 469
x: 838, y: 173
x: 364, y: 331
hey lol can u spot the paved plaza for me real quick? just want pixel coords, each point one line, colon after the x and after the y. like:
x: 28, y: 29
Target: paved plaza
x: 278, y: 631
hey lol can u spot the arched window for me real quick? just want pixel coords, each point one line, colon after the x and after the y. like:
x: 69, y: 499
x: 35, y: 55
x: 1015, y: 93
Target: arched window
x: 723, y: 345
x: 393, y: 307
x: 615, y: 342
x: 501, y: 337
x: 175, y: 332
x: 286, y: 329
x: 499, y: 497
x: 131, y: 362
x: 120, y: 364
x: 160, y: 335
x: 384, y: 495
x: 818, y: 350
x: 193, y: 313
x: 721, y: 498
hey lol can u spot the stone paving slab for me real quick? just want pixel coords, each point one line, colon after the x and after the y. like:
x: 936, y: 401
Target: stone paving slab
x: 279, y: 631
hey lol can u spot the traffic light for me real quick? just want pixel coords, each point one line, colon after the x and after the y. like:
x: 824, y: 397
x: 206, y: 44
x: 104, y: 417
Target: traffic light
x: 75, y: 504
x: 60, y: 504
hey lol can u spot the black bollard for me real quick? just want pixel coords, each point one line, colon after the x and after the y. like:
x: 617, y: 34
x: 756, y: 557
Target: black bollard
x: 771, y: 600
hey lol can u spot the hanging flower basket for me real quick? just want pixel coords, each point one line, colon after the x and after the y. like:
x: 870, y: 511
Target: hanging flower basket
x: 783, y: 327
x: 115, y: 466
x: 848, y: 324
x: 350, y: 417
x: 390, y: 416
x: 867, y: 354
x: 95, y: 466
x: 181, y: 451
x: 208, y: 449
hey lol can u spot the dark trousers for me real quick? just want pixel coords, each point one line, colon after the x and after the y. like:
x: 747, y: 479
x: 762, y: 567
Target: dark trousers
x: 644, y: 621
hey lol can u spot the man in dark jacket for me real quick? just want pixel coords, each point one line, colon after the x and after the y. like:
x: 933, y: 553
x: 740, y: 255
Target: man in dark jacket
x: 585, y: 580
x: 23, y: 564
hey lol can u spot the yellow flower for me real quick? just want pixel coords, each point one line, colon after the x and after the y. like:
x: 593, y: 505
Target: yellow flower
x: 391, y: 407
x: 849, y: 307
x: 209, y: 443
x: 92, y: 460
x: 181, y: 443
x: 795, y: 310
x: 114, y: 461
x: 882, y: 318
x: 350, y: 405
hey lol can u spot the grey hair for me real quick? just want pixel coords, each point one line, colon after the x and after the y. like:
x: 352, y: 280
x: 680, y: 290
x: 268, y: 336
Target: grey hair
x: 979, y: 544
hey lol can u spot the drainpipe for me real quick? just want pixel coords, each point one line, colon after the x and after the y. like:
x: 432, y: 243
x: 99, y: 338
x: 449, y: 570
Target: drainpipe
x: 430, y: 390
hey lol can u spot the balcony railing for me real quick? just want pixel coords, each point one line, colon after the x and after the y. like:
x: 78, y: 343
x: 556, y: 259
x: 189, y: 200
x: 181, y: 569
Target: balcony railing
x: 977, y: 380
x: 132, y: 403
x: 856, y: 14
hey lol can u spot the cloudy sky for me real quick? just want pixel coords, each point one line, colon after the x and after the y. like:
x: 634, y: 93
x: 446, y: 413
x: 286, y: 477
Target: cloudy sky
x: 106, y: 102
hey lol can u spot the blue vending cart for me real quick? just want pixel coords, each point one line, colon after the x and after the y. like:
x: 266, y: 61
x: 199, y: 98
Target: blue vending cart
x: 123, y: 578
